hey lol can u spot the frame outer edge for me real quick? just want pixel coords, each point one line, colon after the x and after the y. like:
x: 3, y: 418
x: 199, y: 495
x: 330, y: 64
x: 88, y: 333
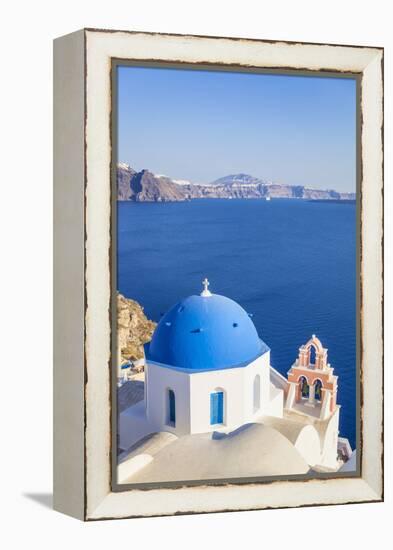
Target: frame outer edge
x: 68, y: 297
x: 372, y: 274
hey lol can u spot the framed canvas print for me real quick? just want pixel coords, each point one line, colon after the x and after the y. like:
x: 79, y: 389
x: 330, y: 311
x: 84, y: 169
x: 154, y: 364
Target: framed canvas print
x: 218, y: 274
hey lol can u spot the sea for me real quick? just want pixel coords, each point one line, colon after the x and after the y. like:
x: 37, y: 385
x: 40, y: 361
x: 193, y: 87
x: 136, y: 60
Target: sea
x: 291, y: 264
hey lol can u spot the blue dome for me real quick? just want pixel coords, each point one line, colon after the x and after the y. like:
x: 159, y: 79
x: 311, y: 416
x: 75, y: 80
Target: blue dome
x: 205, y: 333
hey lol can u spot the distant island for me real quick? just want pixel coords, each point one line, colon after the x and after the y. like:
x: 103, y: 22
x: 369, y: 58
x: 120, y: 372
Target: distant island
x: 144, y: 186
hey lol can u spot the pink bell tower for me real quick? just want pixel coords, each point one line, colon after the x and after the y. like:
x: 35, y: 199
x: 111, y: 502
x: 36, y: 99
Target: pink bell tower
x: 312, y: 382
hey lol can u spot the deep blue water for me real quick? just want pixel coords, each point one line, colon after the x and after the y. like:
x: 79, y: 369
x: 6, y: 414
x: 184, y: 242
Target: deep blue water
x: 290, y: 263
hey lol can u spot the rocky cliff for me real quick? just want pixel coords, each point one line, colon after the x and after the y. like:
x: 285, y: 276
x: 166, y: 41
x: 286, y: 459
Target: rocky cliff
x: 145, y: 186
x: 124, y: 175
x: 133, y: 328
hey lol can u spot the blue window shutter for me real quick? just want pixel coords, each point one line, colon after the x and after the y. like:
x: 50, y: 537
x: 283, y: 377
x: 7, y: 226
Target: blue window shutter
x: 213, y: 408
x: 216, y: 407
x: 220, y: 406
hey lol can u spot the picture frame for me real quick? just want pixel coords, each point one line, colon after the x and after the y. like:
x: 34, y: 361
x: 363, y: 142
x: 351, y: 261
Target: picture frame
x: 83, y: 258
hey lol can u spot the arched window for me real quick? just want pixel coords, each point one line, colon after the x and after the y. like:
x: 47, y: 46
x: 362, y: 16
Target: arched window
x: 171, y: 408
x: 257, y: 393
x: 312, y: 353
x: 318, y: 390
x: 217, y: 407
x: 304, y: 387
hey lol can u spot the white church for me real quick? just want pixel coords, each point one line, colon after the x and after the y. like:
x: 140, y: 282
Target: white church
x: 214, y: 406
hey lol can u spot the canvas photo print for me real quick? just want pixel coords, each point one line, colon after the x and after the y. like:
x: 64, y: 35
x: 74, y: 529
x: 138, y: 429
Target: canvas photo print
x: 236, y: 275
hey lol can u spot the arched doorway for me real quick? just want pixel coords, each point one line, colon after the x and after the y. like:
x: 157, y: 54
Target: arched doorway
x: 318, y: 390
x: 304, y: 387
x: 257, y: 393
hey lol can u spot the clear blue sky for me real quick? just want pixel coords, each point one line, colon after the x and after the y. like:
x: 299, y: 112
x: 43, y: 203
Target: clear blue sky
x: 202, y: 125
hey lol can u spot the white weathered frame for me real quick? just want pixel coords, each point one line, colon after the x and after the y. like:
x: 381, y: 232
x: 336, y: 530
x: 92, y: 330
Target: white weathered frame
x: 82, y: 173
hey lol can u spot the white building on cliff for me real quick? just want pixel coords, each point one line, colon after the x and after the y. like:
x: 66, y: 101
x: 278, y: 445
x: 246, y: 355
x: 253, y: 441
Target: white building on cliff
x: 213, y: 401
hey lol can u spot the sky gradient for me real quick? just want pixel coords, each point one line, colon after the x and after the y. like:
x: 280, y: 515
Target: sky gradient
x: 202, y: 125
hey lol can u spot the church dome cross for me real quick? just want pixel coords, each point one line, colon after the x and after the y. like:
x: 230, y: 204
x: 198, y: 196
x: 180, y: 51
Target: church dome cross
x: 206, y: 292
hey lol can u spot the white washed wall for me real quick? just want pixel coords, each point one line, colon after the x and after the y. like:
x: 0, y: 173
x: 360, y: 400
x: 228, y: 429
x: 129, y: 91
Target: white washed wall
x: 160, y: 380
x: 192, y: 398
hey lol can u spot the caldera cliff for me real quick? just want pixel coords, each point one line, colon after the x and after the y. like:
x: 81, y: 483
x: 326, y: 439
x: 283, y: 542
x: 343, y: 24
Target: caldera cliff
x: 144, y: 186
